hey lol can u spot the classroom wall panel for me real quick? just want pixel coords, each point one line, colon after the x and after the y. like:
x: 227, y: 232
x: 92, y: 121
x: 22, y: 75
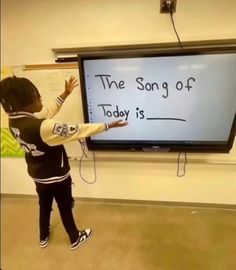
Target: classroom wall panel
x: 30, y: 29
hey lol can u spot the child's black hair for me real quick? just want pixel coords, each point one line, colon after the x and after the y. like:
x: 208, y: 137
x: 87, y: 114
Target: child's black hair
x: 16, y: 93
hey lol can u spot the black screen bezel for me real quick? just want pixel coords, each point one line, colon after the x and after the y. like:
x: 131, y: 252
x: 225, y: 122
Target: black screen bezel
x: 152, y: 146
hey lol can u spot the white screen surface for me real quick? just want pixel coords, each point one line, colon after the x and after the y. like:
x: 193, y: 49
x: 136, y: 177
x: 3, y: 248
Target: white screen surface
x: 168, y: 98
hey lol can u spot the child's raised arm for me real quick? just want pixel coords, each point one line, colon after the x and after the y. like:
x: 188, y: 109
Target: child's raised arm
x: 55, y: 106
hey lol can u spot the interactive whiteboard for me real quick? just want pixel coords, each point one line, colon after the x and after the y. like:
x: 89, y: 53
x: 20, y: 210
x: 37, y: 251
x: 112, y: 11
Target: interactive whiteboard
x: 185, y: 101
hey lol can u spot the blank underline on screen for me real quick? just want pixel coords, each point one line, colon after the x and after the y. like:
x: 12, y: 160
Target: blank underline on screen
x: 172, y: 119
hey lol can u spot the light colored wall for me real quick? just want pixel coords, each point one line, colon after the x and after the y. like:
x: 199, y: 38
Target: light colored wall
x: 31, y: 28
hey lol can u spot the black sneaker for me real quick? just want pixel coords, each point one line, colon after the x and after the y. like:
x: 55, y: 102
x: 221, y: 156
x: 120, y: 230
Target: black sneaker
x: 83, y: 236
x: 44, y: 243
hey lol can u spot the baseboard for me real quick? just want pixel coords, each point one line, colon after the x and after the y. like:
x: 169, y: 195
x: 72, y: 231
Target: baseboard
x: 136, y: 202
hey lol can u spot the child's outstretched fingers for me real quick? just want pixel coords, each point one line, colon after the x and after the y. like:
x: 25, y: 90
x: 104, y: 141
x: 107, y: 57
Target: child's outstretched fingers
x: 71, y: 84
x: 118, y: 123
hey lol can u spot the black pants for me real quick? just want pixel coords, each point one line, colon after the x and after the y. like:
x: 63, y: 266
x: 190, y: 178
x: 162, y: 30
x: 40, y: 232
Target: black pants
x: 61, y: 191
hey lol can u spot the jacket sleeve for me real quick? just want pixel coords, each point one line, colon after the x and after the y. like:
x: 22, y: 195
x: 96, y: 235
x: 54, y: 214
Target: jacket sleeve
x: 51, y: 110
x: 54, y: 133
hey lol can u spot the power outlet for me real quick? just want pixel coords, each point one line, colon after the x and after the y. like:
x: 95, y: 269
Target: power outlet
x: 167, y: 5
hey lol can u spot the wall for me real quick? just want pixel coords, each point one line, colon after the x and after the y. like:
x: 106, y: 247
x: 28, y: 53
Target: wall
x: 31, y: 28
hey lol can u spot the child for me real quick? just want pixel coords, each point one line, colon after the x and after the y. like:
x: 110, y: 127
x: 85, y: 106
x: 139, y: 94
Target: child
x: 42, y: 140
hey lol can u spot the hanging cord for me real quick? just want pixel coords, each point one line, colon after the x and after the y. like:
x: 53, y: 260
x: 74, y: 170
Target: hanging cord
x: 83, y: 147
x: 171, y: 9
x: 184, y: 165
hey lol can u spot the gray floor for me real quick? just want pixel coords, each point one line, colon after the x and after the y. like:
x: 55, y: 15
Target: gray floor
x: 125, y: 237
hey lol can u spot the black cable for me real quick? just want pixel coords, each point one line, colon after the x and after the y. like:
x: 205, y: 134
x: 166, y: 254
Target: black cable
x: 83, y: 147
x: 171, y: 9
x: 184, y: 165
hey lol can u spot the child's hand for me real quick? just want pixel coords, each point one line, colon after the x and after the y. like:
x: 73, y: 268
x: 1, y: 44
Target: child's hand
x: 118, y: 123
x: 70, y: 85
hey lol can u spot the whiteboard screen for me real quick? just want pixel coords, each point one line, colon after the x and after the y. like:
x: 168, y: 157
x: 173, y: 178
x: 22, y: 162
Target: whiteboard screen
x: 170, y: 101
